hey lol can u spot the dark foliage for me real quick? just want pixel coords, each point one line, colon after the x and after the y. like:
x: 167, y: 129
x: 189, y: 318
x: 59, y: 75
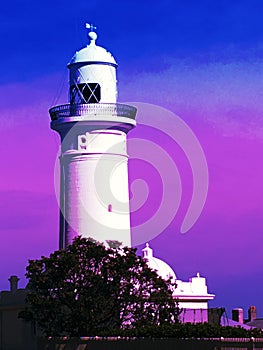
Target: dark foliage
x: 186, y: 331
x: 87, y: 289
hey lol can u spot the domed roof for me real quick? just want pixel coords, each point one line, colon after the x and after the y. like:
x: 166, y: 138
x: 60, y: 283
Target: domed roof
x: 161, y: 267
x: 93, y: 53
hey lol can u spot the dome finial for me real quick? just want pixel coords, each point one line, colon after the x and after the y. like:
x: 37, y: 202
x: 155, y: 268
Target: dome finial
x: 92, y: 35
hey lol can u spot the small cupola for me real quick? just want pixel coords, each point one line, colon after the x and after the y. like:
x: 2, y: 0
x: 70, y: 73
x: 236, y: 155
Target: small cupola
x: 147, y: 252
x: 92, y: 74
x: 158, y: 265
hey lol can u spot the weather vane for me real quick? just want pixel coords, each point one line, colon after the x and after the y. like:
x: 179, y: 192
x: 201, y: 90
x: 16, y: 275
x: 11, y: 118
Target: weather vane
x: 90, y: 26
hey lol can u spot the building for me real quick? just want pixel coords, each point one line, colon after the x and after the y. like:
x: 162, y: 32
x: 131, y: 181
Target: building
x: 192, y: 296
x: 14, y: 332
x: 238, y: 319
x: 94, y: 193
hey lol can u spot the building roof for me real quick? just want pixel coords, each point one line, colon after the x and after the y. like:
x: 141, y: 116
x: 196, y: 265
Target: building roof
x: 258, y: 323
x: 195, y: 290
x: 161, y: 267
x: 229, y: 322
x: 93, y: 53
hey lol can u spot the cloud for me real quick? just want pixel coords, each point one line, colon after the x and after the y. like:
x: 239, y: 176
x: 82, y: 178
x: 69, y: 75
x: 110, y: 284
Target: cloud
x: 227, y: 96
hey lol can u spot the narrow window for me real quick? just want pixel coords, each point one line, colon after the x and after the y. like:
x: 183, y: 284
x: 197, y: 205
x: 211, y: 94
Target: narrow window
x: 85, y: 93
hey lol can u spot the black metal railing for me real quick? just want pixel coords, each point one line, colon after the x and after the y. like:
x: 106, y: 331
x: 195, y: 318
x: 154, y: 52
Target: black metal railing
x: 92, y: 109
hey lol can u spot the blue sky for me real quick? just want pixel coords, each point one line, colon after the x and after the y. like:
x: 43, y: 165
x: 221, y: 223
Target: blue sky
x: 41, y: 35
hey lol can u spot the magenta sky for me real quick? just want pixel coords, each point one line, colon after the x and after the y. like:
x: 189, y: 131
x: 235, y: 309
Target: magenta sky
x: 214, y: 84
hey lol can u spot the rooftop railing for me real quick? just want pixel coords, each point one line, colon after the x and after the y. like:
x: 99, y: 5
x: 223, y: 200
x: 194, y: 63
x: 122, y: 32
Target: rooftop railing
x: 92, y: 109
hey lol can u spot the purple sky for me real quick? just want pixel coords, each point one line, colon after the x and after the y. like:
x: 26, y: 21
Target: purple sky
x: 204, y: 64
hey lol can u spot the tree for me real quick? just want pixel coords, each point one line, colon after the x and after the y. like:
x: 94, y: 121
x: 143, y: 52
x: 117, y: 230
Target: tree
x: 88, y: 288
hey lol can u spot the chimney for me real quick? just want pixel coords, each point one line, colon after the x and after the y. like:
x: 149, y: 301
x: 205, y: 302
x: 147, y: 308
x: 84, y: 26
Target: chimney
x: 13, y: 283
x: 252, y: 313
x: 238, y: 315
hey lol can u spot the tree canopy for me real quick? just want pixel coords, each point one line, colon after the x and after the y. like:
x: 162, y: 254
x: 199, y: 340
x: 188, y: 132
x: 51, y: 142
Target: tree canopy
x: 88, y: 288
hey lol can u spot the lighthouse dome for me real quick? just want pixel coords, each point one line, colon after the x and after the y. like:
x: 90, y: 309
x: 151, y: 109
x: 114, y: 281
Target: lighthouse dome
x: 93, y: 53
x: 161, y: 267
x: 92, y: 76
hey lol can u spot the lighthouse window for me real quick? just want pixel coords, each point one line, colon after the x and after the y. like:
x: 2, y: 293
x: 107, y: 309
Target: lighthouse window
x: 85, y: 93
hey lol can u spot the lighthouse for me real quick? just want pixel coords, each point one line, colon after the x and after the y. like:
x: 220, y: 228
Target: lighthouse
x: 93, y: 126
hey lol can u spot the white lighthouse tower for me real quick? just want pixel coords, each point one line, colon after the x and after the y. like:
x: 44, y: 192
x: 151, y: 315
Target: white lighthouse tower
x: 94, y: 193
